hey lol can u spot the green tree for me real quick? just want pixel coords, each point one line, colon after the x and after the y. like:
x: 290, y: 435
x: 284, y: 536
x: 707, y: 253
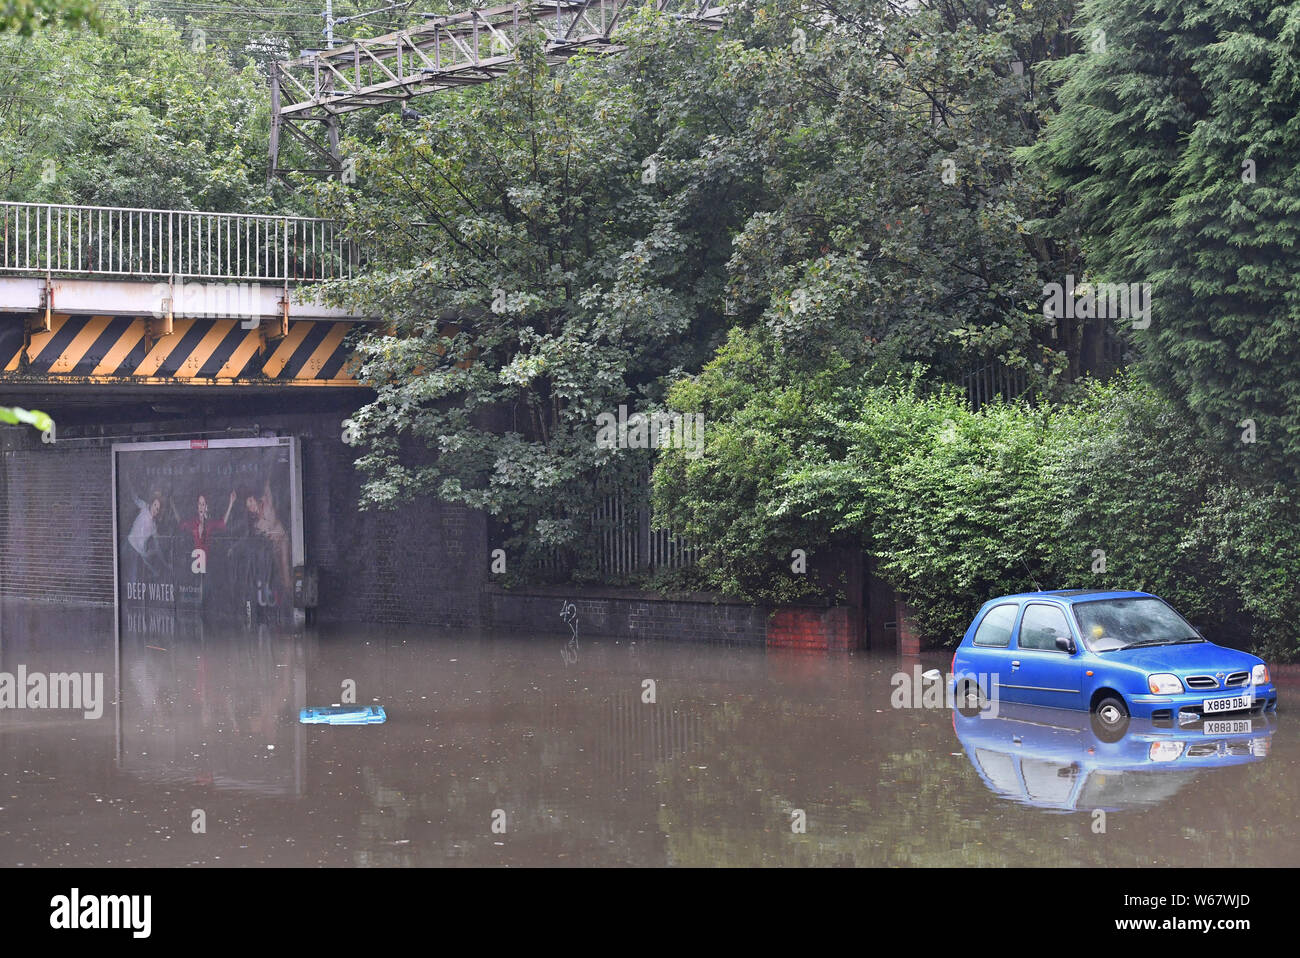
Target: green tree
x: 135, y: 116
x: 25, y: 17
x: 894, y: 228
x: 274, y: 30
x: 955, y: 504
x: 547, y: 248
x: 788, y: 174
x: 763, y: 423
x: 1178, y: 160
x: 1130, y: 476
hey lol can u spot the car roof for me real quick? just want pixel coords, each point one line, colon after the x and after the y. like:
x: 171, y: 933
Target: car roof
x: 1071, y: 596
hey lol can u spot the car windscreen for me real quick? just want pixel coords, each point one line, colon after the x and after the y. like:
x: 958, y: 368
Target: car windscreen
x: 1109, y: 624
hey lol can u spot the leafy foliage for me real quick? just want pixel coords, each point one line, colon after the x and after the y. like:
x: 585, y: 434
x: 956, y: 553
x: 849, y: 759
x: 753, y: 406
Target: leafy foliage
x: 894, y: 228
x: 1253, y: 538
x: 966, y: 513
x: 535, y: 277
x: 1130, y: 476
x: 588, y: 234
x: 759, y: 427
x: 800, y: 228
x: 959, y: 505
x: 135, y: 117
x: 1175, y: 151
x: 951, y: 502
x: 24, y: 17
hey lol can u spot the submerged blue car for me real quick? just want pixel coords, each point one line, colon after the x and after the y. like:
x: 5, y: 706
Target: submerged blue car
x: 1115, y: 654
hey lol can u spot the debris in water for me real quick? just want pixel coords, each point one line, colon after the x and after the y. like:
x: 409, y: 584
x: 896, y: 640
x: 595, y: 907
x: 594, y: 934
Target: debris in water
x: 343, y: 715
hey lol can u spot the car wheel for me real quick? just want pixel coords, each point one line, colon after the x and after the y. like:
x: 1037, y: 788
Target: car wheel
x: 1110, y: 718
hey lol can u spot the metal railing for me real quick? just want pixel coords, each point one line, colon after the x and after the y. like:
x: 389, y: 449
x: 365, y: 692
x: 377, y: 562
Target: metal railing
x: 308, y: 93
x: 626, y: 541
x: 622, y: 538
x: 41, y: 238
x: 986, y: 383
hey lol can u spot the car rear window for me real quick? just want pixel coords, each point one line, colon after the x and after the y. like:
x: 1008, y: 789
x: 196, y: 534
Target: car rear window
x: 995, y: 630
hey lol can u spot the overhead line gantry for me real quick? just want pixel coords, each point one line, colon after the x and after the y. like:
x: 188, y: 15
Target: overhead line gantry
x: 310, y: 93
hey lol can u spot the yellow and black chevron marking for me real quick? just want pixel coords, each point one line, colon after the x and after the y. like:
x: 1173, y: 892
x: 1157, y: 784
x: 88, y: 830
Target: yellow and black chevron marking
x: 118, y: 349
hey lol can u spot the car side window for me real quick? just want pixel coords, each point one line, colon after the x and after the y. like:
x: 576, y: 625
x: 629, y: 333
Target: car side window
x: 995, y: 630
x: 1041, y: 626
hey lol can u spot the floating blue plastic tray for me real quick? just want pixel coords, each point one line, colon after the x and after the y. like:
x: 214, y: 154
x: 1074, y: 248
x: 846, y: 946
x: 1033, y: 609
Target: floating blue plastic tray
x: 343, y: 715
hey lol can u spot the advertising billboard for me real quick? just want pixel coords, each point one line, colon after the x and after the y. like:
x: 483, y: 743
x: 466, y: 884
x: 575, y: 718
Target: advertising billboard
x: 210, y: 527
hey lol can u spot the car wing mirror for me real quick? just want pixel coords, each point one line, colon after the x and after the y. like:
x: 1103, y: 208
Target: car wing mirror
x: 1065, y: 644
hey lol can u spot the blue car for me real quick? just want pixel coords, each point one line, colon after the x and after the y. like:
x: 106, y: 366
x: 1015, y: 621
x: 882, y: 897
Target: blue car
x: 1114, y: 654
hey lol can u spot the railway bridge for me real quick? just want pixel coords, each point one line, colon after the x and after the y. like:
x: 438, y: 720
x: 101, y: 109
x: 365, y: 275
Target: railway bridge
x: 189, y: 359
x: 159, y: 300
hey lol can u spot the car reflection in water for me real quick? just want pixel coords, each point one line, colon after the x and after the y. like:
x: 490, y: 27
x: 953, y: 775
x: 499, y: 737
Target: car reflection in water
x: 1059, y: 760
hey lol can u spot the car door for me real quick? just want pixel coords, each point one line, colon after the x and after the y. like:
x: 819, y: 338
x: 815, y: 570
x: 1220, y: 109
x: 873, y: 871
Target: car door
x: 989, y: 654
x: 1040, y: 673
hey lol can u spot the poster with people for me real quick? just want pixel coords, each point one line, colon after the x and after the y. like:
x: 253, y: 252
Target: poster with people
x: 208, y: 526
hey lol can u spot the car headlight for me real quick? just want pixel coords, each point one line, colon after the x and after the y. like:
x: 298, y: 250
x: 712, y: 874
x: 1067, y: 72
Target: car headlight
x: 1164, y: 683
x: 1259, y: 675
x: 1165, y: 751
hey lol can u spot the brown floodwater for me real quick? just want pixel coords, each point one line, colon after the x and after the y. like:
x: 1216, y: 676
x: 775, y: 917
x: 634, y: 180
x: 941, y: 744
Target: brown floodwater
x: 505, y: 750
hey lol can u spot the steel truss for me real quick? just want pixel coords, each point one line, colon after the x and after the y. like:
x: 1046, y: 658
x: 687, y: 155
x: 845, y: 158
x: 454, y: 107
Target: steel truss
x: 310, y: 93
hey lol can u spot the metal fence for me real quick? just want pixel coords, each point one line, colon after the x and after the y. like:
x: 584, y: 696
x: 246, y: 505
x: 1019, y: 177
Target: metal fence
x: 622, y: 540
x: 625, y: 541
x: 982, y: 385
x: 52, y: 238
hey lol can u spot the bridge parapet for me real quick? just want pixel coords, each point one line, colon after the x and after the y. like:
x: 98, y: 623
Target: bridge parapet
x: 57, y: 239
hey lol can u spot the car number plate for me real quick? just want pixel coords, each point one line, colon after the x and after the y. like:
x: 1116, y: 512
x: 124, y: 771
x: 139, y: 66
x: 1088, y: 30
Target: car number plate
x: 1228, y: 728
x: 1234, y: 704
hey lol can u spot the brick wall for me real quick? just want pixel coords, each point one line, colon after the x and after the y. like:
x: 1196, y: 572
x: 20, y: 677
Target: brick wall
x: 422, y: 564
x: 909, y: 639
x: 56, y: 524
x: 624, y: 613
x: 836, y: 629
x: 426, y: 563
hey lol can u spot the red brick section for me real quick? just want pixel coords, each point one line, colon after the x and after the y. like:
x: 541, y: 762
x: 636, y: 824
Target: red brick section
x: 1285, y: 673
x: 837, y: 629
x: 909, y: 640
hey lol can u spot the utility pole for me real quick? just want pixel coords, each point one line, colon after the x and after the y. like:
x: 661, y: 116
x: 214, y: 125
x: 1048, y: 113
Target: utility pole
x: 332, y: 124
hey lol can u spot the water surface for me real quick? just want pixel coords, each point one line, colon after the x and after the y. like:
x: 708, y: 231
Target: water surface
x: 527, y: 750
